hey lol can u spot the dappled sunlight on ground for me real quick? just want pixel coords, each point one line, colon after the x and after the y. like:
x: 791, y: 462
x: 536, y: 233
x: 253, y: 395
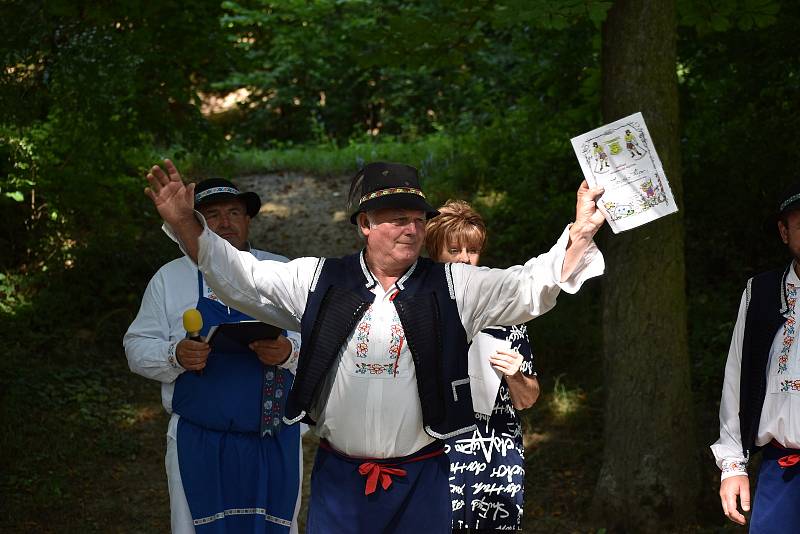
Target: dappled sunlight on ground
x: 301, y: 215
x: 534, y: 439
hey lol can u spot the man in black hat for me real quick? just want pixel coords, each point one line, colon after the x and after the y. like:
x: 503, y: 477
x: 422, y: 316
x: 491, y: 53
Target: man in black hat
x: 227, y: 449
x: 382, y: 373
x: 760, y: 406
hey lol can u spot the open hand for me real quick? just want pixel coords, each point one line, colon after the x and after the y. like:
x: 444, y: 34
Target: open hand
x: 173, y: 200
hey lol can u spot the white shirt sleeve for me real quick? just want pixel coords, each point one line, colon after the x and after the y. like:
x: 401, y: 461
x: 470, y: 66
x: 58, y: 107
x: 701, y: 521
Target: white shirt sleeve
x: 271, y: 291
x: 487, y: 297
x: 149, y: 343
x: 728, y: 448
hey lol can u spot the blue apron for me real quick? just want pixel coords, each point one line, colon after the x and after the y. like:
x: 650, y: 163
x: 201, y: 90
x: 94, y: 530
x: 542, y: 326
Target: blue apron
x: 234, y: 480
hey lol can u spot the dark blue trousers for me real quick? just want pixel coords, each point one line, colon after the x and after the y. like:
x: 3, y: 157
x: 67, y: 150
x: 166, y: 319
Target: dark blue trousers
x: 417, y: 502
x: 776, y: 509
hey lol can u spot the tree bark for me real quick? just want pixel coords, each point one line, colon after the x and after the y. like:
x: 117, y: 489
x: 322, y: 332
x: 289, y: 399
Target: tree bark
x: 649, y: 478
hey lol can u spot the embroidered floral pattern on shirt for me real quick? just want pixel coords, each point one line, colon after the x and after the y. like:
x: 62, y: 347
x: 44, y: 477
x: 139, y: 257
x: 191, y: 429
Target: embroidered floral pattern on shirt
x: 171, y: 357
x: 790, y: 385
x: 362, y: 334
x: 734, y: 466
x: 374, y: 369
x: 788, y: 331
x: 380, y: 366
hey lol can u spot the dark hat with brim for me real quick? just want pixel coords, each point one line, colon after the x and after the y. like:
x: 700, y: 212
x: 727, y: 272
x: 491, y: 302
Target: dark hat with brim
x: 216, y: 190
x: 387, y: 185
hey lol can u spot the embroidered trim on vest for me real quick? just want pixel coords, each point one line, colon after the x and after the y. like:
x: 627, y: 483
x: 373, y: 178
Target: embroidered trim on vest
x: 784, y: 304
x: 449, y: 275
x: 406, y: 276
x: 449, y: 435
x: 294, y: 420
x: 368, y: 275
x: 748, y: 294
x: 317, y: 272
x: 242, y: 511
x: 456, y: 383
x: 788, y: 332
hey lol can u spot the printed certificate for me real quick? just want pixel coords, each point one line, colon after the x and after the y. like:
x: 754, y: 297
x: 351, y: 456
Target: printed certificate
x: 621, y: 158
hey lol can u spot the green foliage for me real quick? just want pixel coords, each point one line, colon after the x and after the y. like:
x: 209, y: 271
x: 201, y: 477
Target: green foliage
x: 740, y: 100
x: 482, y: 95
x: 719, y: 16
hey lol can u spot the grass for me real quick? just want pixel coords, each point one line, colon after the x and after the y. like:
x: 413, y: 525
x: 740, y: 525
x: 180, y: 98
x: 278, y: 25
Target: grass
x: 326, y: 159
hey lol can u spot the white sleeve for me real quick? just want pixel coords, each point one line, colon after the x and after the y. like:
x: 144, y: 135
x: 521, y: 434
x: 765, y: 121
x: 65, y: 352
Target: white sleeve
x: 728, y: 448
x: 149, y: 343
x: 270, y: 291
x: 487, y: 297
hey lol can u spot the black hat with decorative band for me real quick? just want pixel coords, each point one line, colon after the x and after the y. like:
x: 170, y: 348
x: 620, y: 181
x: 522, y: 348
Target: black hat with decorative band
x: 218, y: 189
x: 387, y: 185
x: 790, y: 201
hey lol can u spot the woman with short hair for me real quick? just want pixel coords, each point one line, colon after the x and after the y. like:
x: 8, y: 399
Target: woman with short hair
x: 487, y: 469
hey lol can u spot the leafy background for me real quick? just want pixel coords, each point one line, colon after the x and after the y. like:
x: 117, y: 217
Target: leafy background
x: 483, y: 96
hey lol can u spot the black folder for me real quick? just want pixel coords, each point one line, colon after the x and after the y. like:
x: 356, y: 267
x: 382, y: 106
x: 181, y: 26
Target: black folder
x: 235, y: 337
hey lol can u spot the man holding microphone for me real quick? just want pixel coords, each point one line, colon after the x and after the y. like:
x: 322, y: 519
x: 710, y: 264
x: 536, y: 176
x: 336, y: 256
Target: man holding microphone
x: 229, y: 458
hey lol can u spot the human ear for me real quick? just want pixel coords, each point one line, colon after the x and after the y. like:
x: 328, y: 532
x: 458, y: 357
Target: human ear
x: 784, y: 231
x: 363, y: 223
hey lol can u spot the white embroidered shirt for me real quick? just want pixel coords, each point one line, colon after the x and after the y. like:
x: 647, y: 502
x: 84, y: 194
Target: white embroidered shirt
x: 373, y: 409
x: 780, y: 416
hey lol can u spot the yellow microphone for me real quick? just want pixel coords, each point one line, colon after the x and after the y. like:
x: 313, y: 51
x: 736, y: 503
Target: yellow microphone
x: 193, y: 323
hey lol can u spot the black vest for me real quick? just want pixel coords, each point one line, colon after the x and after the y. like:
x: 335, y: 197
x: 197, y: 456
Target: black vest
x: 426, y: 307
x: 767, y: 308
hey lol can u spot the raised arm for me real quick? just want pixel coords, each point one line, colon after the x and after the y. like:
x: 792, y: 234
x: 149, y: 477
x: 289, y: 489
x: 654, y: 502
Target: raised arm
x: 588, y: 220
x: 487, y: 297
x: 174, y: 201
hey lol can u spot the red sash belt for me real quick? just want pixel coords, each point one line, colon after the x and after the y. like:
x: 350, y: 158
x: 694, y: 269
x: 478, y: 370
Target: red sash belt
x: 377, y: 469
x: 786, y: 461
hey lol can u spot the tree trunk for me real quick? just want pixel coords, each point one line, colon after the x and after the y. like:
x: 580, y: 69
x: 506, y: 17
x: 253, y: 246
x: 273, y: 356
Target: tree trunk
x: 649, y: 478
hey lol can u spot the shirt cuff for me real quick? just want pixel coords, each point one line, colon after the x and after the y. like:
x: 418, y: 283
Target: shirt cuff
x: 590, y: 265
x: 732, y: 468
x: 172, y: 357
x: 291, y: 363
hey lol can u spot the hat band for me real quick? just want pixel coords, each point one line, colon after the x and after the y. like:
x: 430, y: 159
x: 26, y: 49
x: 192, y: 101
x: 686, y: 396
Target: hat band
x: 213, y: 191
x: 391, y: 191
x: 789, y: 201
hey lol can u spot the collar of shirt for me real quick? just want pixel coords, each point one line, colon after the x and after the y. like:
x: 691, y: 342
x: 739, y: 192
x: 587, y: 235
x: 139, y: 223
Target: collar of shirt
x: 372, y: 283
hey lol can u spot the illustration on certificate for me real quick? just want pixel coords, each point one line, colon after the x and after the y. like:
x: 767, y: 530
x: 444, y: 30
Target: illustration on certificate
x: 621, y: 158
